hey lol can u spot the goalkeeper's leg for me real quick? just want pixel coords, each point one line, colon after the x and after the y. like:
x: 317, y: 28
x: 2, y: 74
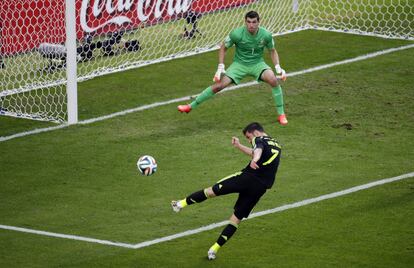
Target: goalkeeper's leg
x: 278, y: 98
x: 269, y: 77
x: 205, y: 95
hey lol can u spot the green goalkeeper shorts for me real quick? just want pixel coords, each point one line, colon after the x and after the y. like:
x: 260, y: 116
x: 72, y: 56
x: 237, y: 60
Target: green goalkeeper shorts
x: 237, y: 71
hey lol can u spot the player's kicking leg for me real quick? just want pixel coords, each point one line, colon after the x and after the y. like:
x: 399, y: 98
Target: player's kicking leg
x: 176, y: 206
x: 196, y: 197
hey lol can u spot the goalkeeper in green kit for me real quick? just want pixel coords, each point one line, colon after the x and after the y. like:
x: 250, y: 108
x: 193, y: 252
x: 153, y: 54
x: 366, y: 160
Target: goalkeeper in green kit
x: 250, y: 41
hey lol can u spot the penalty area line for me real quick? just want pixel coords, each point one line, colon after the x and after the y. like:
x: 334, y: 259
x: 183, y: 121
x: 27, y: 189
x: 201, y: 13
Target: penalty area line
x: 213, y: 225
x: 162, y: 103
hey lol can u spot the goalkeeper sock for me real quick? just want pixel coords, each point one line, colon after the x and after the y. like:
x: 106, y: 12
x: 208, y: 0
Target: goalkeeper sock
x: 278, y: 98
x: 227, y: 233
x: 196, y: 197
x: 205, y: 95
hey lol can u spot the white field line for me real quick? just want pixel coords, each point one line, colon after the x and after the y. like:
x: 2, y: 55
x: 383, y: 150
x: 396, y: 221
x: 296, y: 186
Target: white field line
x: 162, y: 103
x: 213, y: 225
x: 72, y: 237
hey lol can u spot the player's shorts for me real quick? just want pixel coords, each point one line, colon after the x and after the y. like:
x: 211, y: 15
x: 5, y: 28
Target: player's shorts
x: 237, y: 71
x: 249, y: 188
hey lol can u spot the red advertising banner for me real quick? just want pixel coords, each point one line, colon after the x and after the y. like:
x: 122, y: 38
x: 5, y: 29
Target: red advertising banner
x: 24, y: 24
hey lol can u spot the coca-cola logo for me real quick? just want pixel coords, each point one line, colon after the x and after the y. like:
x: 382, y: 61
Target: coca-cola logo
x: 121, y: 12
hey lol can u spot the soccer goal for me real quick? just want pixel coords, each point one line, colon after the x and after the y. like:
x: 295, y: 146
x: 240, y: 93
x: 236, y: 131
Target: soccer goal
x: 47, y: 47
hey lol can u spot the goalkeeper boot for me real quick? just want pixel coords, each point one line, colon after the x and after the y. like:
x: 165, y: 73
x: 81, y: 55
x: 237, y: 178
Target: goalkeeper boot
x: 176, y: 206
x: 282, y: 119
x: 186, y: 108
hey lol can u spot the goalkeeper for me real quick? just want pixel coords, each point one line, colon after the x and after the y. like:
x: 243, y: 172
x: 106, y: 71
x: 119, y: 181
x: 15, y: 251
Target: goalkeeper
x: 250, y: 41
x: 251, y: 183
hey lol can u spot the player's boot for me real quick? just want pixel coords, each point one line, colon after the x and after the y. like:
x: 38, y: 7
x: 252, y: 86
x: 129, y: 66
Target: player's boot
x: 185, y: 108
x: 176, y: 206
x: 282, y: 119
x: 211, y: 254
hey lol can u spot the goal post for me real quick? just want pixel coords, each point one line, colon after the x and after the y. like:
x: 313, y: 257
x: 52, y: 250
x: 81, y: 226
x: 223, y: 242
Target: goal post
x: 48, y: 46
x: 71, y: 85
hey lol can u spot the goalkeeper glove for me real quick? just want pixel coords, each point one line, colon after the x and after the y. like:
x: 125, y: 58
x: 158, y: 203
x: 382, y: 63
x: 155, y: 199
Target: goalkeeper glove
x: 280, y: 71
x: 220, y: 70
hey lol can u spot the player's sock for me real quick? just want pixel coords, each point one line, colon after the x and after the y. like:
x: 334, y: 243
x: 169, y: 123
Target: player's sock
x: 182, y: 203
x: 215, y: 247
x: 227, y: 233
x: 278, y: 98
x: 211, y: 253
x: 196, y: 197
x: 205, y: 95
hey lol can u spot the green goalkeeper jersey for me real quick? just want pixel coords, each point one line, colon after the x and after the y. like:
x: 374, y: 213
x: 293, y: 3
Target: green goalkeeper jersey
x: 249, y: 48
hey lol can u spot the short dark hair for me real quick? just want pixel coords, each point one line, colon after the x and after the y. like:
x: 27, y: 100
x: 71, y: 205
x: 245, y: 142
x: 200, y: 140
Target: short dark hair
x: 251, y: 15
x: 252, y: 127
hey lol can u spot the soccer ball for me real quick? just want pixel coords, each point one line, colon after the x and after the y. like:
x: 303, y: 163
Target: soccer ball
x: 147, y: 165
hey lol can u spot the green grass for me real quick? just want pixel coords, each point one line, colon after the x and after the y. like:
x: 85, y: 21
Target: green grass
x: 348, y: 125
x: 368, y: 229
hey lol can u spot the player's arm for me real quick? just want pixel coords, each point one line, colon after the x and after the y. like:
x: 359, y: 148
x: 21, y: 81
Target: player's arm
x: 275, y: 59
x: 222, y: 53
x: 228, y: 42
x: 257, y: 153
x: 220, y: 68
x: 274, y: 56
x: 236, y: 143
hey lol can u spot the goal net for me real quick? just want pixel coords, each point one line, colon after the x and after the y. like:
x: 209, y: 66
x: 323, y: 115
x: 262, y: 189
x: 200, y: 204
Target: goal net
x: 116, y: 35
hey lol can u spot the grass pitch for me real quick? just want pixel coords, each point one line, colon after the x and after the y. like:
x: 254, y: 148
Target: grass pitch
x: 348, y: 125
